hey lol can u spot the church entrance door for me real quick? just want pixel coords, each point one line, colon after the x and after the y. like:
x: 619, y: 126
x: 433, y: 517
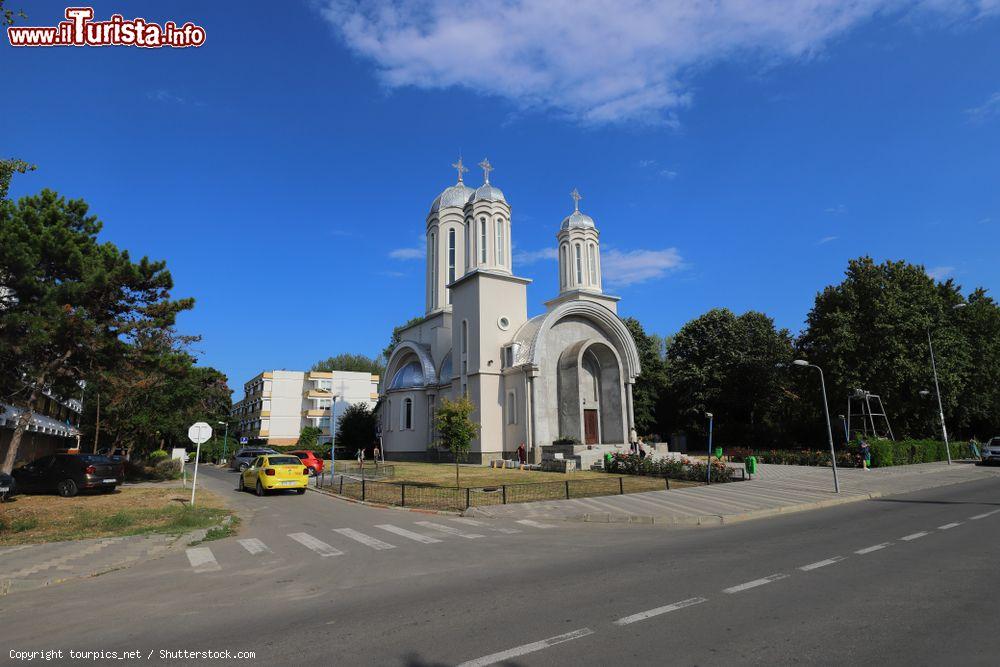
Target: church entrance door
x: 590, y: 427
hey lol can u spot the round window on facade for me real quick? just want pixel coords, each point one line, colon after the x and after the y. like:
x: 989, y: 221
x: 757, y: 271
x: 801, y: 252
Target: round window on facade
x: 503, y: 323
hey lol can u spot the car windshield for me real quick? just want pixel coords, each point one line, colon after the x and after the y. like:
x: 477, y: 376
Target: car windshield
x: 283, y: 461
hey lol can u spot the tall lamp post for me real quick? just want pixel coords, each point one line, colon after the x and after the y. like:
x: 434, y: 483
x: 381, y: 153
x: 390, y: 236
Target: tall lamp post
x: 937, y: 389
x: 225, y: 439
x: 826, y: 411
x: 709, y: 465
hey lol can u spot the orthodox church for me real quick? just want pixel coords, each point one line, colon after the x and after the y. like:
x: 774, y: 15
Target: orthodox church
x: 567, y: 373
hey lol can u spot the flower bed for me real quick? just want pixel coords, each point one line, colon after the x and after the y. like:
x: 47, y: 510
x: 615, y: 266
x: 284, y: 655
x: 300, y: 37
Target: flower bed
x: 695, y: 471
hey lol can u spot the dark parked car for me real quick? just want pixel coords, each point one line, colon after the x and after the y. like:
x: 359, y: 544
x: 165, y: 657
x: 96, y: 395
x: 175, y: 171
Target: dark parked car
x: 67, y: 474
x: 7, y: 487
x: 247, y: 455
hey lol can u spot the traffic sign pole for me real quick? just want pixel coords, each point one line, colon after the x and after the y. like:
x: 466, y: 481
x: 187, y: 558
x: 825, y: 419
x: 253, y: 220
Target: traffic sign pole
x: 198, y: 433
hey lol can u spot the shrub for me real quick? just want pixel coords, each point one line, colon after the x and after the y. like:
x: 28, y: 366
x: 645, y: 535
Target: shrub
x: 156, y: 456
x: 632, y: 464
x: 566, y: 440
x: 884, y: 453
x: 167, y: 469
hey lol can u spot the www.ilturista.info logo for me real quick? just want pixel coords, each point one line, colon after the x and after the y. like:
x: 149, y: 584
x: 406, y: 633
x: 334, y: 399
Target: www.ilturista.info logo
x: 79, y: 29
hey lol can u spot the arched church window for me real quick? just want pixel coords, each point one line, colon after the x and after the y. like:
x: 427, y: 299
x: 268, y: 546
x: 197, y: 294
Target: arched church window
x: 592, y: 263
x: 406, y: 418
x: 451, y: 259
x: 579, y: 264
x: 468, y: 243
x: 465, y: 336
x: 563, y: 266
x: 482, y: 240
x: 500, y: 244
x: 432, y: 258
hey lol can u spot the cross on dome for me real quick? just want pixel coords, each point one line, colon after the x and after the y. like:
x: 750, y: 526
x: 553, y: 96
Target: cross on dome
x: 460, y: 167
x: 487, y: 168
x: 576, y: 199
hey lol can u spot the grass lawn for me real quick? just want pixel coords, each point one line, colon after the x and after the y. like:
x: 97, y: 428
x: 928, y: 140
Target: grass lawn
x: 443, y: 474
x: 30, y: 519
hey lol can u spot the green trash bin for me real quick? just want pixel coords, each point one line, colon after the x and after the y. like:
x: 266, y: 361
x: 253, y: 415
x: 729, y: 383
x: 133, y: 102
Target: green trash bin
x: 751, y: 464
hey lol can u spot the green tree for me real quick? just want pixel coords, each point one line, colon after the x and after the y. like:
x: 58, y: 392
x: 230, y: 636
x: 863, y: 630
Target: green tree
x: 356, y: 427
x: 455, y: 428
x: 309, y: 437
x: 977, y: 412
x: 650, y: 384
x: 726, y: 364
x: 12, y: 166
x: 395, y: 339
x: 357, y: 363
x: 70, y: 304
x: 870, y: 332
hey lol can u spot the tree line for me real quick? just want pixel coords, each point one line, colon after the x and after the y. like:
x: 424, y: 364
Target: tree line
x: 868, y: 332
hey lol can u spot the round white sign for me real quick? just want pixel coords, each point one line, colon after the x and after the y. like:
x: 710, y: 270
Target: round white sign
x: 199, y: 432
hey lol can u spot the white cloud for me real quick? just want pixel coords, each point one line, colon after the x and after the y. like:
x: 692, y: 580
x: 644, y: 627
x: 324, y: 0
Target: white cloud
x: 643, y: 164
x: 638, y: 266
x: 596, y: 61
x: 940, y: 272
x: 668, y: 174
x: 988, y: 109
x: 162, y: 95
x: 532, y: 256
x: 839, y: 209
x: 827, y: 239
x: 985, y: 221
x: 407, y: 253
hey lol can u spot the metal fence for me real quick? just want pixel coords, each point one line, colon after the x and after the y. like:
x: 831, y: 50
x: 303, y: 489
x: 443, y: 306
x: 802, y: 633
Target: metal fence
x: 461, y: 498
x: 368, y: 471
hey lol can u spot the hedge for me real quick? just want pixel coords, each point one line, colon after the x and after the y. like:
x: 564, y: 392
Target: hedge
x: 884, y: 453
x: 632, y: 464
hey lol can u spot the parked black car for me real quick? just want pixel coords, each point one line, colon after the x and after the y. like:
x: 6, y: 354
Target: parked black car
x: 7, y: 487
x: 67, y: 474
x: 247, y: 455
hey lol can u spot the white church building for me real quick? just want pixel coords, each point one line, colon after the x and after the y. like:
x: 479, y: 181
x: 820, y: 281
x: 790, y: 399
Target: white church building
x: 568, y: 372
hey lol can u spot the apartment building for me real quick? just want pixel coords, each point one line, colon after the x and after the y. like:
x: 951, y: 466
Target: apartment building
x: 278, y: 404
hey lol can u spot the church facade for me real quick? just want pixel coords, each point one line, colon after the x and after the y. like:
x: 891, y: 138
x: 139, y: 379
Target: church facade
x: 567, y: 372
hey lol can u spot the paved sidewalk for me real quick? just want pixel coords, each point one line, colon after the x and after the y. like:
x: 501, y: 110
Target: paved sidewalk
x: 775, y: 489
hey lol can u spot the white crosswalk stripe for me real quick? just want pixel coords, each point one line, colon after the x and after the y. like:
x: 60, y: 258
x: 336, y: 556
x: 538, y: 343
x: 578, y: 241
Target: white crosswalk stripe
x: 481, y: 524
x: 320, y: 547
x: 202, y: 560
x: 535, y: 524
x: 366, y: 540
x: 408, y: 534
x: 450, y: 530
x: 254, y: 546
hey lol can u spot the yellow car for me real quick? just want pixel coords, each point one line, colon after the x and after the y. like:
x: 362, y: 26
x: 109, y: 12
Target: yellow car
x: 273, y: 472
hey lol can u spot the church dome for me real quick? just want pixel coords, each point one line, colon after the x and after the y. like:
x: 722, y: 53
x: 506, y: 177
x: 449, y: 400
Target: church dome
x: 487, y: 192
x: 577, y: 220
x: 409, y: 376
x: 456, y: 195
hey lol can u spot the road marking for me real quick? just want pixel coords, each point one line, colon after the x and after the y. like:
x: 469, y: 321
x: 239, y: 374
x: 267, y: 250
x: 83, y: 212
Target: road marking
x: 641, y: 616
x: 868, y: 550
x: 202, y: 559
x: 481, y: 524
x: 364, y: 539
x: 754, y: 584
x: 320, y: 547
x: 450, y: 530
x: 983, y: 516
x: 948, y: 526
x: 254, y: 546
x: 821, y: 563
x: 913, y: 536
x: 535, y: 524
x: 408, y: 534
x: 494, y: 658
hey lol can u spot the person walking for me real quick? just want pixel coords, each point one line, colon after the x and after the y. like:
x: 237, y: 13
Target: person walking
x: 522, y: 454
x: 866, y: 454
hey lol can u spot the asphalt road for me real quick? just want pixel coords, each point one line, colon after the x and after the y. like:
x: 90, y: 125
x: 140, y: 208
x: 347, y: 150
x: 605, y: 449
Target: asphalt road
x: 910, y: 579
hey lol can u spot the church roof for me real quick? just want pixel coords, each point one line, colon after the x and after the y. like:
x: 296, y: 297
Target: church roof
x: 487, y: 192
x: 455, y: 195
x: 576, y: 220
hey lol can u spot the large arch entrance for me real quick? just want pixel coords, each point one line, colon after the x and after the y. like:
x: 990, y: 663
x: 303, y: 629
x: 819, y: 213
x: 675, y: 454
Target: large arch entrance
x: 591, y: 394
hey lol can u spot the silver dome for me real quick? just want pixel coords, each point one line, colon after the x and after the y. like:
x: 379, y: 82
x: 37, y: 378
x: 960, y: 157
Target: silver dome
x: 577, y: 219
x: 408, y: 377
x: 456, y: 195
x: 487, y: 192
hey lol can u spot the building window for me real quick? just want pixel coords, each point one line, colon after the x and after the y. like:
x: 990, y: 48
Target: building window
x: 592, y: 263
x: 468, y: 243
x: 406, y: 416
x: 432, y: 258
x: 500, y: 244
x: 451, y: 259
x: 482, y: 240
x: 579, y: 264
x: 465, y: 336
x: 563, y: 266
x: 511, y: 407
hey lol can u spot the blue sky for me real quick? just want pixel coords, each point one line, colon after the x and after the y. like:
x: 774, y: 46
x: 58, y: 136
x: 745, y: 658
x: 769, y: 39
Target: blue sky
x: 733, y: 154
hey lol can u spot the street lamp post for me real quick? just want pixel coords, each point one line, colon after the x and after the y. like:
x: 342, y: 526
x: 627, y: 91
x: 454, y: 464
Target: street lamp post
x: 709, y: 465
x: 225, y: 440
x: 937, y: 389
x: 826, y: 411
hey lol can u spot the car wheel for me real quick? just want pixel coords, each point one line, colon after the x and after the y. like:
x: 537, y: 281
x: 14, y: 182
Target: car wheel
x: 244, y: 466
x: 239, y: 485
x: 300, y: 491
x: 67, y: 488
x: 260, y: 488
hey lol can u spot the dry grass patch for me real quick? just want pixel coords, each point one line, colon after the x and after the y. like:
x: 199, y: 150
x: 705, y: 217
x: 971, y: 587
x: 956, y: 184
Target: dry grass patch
x: 129, y: 511
x: 443, y: 474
